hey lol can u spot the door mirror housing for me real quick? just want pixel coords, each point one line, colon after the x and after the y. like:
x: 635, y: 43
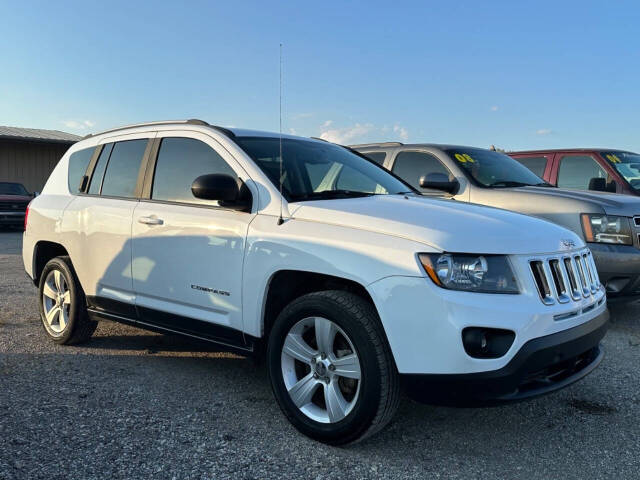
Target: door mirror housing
x: 598, y: 184
x: 223, y: 188
x: 601, y: 185
x: 440, y: 181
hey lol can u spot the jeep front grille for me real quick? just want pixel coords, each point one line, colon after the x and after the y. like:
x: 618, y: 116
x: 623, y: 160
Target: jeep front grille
x: 565, y: 278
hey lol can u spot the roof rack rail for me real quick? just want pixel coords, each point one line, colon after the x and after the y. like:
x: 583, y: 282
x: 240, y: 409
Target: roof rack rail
x: 191, y: 121
x: 321, y: 139
x: 381, y: 144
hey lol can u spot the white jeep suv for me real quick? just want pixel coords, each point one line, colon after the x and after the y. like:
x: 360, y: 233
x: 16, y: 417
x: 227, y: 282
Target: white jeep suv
x: 347, y: 280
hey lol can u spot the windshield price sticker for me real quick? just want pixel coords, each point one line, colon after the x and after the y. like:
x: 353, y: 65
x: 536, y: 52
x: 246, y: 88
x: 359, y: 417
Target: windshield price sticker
x: 464, y: 158
x: 613, y: 158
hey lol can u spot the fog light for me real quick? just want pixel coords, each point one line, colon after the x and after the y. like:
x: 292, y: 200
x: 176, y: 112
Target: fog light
x: 487, y: 342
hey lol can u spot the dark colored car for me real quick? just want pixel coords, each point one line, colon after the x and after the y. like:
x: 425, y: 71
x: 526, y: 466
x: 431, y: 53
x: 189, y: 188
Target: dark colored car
x: 14, y: 199
x: 601, y: 170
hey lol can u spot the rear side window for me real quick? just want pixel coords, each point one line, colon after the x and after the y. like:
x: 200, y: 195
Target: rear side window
x: 180, y: 162
x: 411, y: 166
x: 78, y: 163
x: 576, y: 171
x: 98, y: 171
x: 377, y: 157
x: 536, y: 164
x: 121, y: 176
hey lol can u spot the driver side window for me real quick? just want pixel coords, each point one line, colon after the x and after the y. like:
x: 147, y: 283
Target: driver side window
x: 577, y: 172
x: 411, y: 166
x: 180, y: 162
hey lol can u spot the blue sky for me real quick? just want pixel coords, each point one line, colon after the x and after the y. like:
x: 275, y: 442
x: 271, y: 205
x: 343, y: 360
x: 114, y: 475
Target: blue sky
x: 514, y: 74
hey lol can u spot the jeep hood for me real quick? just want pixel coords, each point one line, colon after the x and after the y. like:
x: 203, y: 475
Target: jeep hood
x: 443, y: 224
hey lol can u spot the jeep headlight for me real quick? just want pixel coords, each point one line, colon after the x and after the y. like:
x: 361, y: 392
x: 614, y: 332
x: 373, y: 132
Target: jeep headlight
x: 602, y: 228
x: 472, y: 273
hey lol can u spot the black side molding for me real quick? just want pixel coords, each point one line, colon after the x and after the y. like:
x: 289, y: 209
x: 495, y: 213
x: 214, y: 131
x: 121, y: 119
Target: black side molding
x: 229, y: 339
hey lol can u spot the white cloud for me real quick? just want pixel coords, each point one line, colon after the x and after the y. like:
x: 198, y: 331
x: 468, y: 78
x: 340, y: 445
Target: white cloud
x: 78, y: 125
x: 362, y: 132
x: 348, y: 134
x: 292, y: 131
x: 401, y: 132
x: 494, y: 108
x: 544, y: 131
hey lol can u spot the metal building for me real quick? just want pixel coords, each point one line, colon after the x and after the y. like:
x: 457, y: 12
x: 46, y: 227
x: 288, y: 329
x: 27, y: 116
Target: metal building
x: 28, y: 155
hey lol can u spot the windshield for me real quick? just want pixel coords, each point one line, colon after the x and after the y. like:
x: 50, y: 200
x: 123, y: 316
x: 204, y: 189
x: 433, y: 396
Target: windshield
x: 627, y: 164
x: 314, y: 170
x: 7, y: 188
x: 493, y: 169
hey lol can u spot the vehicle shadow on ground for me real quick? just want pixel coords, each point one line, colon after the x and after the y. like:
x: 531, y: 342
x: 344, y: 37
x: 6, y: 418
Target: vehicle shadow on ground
x: 168, y: 343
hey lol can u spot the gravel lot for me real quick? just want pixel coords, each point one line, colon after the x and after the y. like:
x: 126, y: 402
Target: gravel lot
x: 133, y: 404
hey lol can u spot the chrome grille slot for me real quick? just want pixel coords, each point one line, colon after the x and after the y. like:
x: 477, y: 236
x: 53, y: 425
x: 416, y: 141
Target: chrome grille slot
x: 565, y: 278
x: 559, y: 280
x: 573, y: 278
x: 593, y: 285
x: 540, y: 277
x: 582, y: 275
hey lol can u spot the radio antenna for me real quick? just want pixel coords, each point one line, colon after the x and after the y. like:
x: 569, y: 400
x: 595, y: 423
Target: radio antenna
x: 281, y: 182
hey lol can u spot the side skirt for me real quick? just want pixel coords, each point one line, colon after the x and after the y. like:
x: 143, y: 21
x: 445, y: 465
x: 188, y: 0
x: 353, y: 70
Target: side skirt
x: 229, y: 339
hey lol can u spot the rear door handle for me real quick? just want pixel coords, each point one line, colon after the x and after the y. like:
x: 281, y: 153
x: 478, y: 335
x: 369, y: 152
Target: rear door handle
x: 151, y: 220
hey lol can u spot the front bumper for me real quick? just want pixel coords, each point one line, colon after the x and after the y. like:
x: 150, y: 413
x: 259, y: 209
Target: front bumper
x: 618, y: 268
x: 12, y: 218
x: 541, y: 366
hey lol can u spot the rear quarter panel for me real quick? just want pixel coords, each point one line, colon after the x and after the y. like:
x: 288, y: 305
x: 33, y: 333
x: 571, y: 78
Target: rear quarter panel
x: 47, y: 209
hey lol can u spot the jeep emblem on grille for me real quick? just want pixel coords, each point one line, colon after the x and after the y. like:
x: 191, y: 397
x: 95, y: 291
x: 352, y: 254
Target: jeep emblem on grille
x: 567, y: 244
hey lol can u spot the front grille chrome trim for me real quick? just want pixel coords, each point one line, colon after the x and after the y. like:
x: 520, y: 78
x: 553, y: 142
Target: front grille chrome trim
x: 565, y: 278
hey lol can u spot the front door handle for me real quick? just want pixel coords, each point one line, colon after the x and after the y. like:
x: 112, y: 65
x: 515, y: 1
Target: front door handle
x: 151, y: 220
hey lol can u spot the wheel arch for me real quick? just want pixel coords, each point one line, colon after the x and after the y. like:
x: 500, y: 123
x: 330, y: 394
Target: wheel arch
x: 286, y: 285
x: 44, y: 251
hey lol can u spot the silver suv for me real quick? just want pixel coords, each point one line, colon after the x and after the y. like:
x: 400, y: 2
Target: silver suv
x: 606, y: 221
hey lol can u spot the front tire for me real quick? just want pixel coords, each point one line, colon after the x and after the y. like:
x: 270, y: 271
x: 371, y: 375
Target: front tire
x: 331, y: 369
x: 63, y: 308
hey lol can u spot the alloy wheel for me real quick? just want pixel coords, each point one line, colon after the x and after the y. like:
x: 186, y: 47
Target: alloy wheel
x: 321, y: 369
x: 56, y: 300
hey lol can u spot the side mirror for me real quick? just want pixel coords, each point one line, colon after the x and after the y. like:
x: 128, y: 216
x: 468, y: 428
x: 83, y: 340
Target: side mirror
x: 223, y: 188
x: 598, y: 184
x: 35, y: 194
x: 439, y: 181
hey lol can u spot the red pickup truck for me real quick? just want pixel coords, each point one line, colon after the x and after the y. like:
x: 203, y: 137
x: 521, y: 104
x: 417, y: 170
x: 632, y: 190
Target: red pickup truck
x: 14, y: 199
x: 603, y: 170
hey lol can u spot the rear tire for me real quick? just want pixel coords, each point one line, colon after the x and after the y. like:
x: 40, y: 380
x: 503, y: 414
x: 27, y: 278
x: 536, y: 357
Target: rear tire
x: 331, y: 369
x: 63, y: 307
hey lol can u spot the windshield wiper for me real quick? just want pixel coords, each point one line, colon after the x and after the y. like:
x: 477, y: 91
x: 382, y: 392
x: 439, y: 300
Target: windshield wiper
x: 330, y: 194
x: 543, y: 184
x: 508, y: 183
